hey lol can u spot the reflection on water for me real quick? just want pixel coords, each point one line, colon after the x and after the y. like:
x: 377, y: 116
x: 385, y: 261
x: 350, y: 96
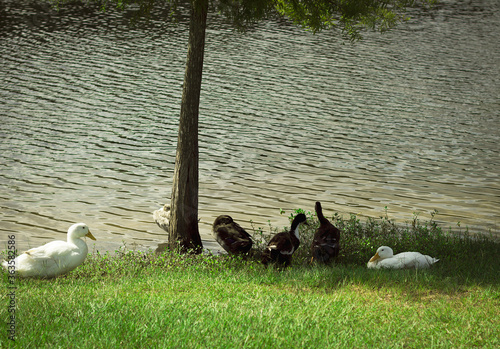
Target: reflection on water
x: 407, y: 120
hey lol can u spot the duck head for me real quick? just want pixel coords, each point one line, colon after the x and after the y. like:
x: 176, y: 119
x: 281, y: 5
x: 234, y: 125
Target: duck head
x: 318, y: 207
x: 299, y: 219
x: 224, y: 219
x: 79, y: 230
x: 383, y: 252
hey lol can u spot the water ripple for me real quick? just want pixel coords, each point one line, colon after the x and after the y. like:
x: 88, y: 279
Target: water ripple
x: 407, y: 120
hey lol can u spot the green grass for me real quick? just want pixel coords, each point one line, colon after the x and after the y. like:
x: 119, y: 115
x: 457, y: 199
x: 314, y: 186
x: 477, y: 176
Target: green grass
x: 133, y: 299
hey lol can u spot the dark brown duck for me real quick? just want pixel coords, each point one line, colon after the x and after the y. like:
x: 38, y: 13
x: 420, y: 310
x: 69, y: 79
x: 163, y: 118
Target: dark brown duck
x: 326, y: 242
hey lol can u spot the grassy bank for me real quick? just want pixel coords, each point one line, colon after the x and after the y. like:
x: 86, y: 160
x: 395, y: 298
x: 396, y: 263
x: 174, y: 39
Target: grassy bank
x: 131, y: 300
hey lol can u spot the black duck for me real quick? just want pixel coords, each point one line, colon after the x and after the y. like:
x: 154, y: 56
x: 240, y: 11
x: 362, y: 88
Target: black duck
x: 233, y: 238
x: 326, y: 242
x: 282, y: 245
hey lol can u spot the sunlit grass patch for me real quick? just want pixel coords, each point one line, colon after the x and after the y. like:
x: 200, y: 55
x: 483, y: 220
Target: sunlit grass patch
x: 134, y: 299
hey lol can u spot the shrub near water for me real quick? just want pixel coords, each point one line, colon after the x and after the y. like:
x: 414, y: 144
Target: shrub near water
x: 359, y: 241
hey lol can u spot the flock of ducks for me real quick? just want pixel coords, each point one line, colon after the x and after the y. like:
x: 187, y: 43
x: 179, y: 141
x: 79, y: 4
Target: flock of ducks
x: 279, y: 250
x: 325, y: 246
x: 60, y: 257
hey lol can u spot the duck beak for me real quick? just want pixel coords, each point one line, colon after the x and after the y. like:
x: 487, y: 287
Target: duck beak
x: 89, y: 235
x: 374, y: 258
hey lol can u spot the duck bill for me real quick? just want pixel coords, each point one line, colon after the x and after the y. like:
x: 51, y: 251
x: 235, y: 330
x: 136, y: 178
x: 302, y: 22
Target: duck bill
x: 89, y: 235
x: 374, y: 258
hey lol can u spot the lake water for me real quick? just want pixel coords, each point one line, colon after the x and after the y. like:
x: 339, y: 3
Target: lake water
x: 407, y: 120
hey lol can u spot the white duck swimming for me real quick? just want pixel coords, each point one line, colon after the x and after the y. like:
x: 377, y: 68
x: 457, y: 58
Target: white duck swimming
x: 384, y: 258
x: 54, y: 258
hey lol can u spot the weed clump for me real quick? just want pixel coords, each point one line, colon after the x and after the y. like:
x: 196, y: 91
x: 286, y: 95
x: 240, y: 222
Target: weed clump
x: 359, y: 241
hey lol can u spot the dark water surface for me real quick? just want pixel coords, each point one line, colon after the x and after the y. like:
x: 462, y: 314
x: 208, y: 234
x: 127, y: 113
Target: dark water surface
x: 407, y: 120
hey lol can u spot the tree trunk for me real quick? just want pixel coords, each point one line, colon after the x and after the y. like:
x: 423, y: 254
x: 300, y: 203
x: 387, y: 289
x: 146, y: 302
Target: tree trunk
x: 183, y: 230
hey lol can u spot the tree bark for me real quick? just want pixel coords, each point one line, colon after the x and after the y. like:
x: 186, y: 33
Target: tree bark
x: 183, y: 230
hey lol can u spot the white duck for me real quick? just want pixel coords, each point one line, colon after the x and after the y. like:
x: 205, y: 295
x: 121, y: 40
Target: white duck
x: 54, y: 258
x: 384, y: 258
x: 162, y: 217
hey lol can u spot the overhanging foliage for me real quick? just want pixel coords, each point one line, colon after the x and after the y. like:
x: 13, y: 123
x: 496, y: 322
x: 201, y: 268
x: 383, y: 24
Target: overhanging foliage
x: 348, y: 16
